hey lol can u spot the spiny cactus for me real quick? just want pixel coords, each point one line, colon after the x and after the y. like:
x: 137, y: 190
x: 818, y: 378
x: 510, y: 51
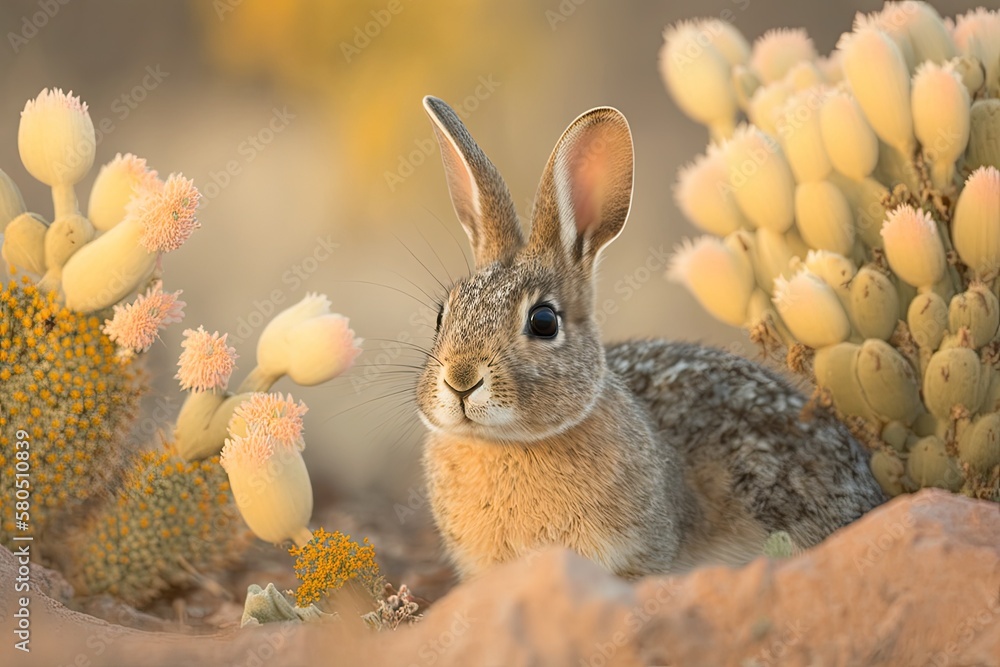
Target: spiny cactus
x: 61, y: 382
x: 860, y: 216
x: 171, y: 519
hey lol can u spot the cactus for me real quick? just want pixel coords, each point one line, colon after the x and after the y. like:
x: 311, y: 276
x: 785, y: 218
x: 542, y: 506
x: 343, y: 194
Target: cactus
x: 61, y: 382
x: 171, y: 520
x: 880, y: 258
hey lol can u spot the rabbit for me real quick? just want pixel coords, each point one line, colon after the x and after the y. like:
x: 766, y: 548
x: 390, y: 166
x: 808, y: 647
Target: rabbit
x: 647, y: 456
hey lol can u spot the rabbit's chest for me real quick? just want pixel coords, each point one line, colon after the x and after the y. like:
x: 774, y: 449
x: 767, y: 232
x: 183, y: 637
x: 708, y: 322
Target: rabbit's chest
x: 494, y: 504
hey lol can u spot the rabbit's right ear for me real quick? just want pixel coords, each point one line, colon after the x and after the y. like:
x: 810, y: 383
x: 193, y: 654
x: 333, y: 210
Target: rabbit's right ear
x: 480, y: 196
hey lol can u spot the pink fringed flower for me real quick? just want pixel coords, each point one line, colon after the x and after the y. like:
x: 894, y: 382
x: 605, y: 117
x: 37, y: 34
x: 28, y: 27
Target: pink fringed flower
x: 273, y: 415
x: 135, y: 326
x: 206, y: 362
x: 167, y: 213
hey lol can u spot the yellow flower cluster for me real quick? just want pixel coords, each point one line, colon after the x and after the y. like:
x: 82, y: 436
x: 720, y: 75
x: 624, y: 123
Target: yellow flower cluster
x: 61, y: 383
x: 329, y: 561
x: 171, y: 518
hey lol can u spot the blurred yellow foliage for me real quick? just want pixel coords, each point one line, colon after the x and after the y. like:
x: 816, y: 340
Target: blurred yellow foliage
x: 369, y: 63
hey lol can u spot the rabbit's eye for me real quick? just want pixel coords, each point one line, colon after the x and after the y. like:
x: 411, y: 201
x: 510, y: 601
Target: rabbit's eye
x: 543, y: 322
x: 437, y: 327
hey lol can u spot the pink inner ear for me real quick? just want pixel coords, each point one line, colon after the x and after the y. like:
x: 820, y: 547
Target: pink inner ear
x: 589, y: 175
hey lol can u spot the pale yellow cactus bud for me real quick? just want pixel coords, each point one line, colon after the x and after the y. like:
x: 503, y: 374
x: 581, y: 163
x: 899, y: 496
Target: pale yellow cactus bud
x: 56, y: 138
x: 874, y: 304
x: 927, y: 319
x: 307, y: 342
x: 991, y: 402
x: 978, y: 310
x: 888, y: 470
x: 801, y: 136
x: 271, y: 486
x: 953, y: 377
x: 64, y: 237
x: 745, y: 83
x: 836, y: 369
x: 893, y: 25
x: 984, y: 134
x: 11, y: 202
x: 977, y: 35
x: 778, y: 50
x: 728, y: 40
x: 913, y: 246
x: 697, y: 74
x: 811, y: 310
x: 940, y: 106
x: 928, y: 33
x: 703, y: 195
x: 108, y: 268
x: 772, y: 258
x: 975, y: 226
x: 824, y: 217
x: 718, y: 277
x: 979, y: 445
x: 848, y: 138
x: 970, y: 71
x: 760, y: 178
x: 930, y: 466
x: 24, y: 243
x: 889, y: 382
x: 203, y: 423
x: 880, y: 81
x: 897, y: 435
x: 833, y: 269
x: 830, y: 67
x: 866, y: 198
x: 804, y: 75
x: 766, y: 104
x: 116, y: 184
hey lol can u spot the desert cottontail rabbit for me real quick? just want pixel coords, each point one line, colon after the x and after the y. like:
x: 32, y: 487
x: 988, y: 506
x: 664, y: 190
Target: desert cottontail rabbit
x: 646, y: 456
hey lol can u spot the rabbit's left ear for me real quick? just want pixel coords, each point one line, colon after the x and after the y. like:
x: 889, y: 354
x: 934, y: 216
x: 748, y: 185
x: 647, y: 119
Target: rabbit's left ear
x: 478, y: 192
x: 586, y: 190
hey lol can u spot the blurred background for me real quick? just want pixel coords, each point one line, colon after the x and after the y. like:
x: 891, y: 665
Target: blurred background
x: 301, y: 123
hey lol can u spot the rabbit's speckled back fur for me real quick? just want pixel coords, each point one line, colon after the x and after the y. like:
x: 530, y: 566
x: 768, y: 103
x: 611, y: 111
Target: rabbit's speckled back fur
x: 647, y: 456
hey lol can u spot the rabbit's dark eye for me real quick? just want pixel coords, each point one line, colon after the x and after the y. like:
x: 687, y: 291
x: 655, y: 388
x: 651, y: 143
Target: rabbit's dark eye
x: 543, y: 322
x: 437, y: 327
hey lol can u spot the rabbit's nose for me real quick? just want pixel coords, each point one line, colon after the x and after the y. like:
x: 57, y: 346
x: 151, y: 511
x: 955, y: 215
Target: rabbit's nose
x: 462, y: 393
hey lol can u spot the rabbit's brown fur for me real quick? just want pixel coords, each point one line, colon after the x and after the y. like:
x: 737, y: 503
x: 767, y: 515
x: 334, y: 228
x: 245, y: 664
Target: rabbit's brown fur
x: 647, y: 456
